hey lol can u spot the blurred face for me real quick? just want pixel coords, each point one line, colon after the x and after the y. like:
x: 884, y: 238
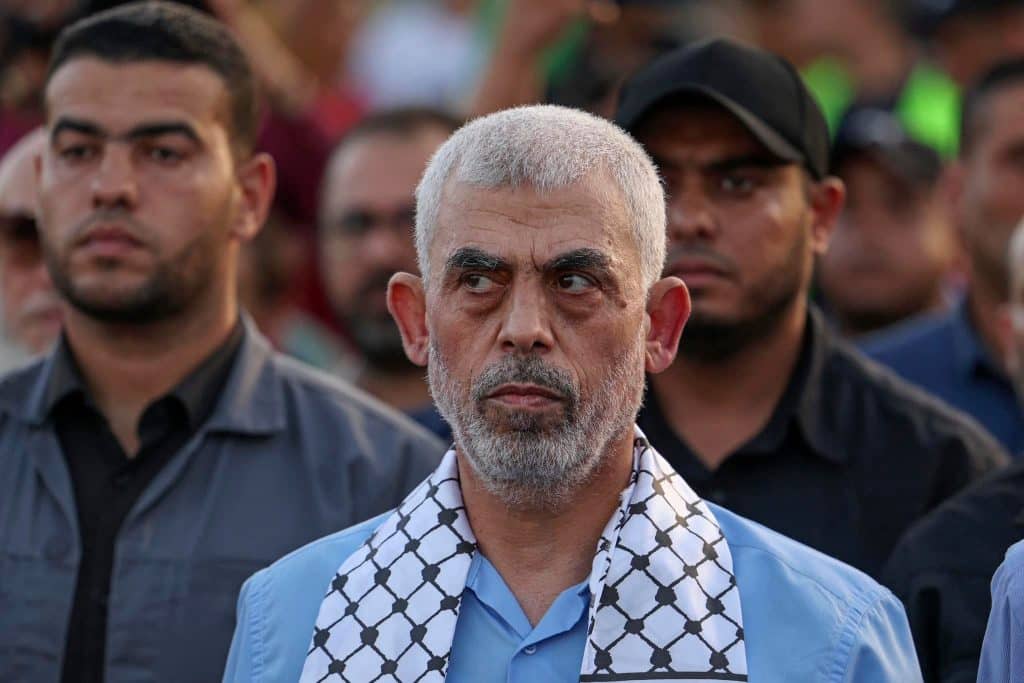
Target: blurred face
x: 367, y: 225
x: 891, y: 250
x: 741, y: 231
x: 138, y: 192
x: 992, y: 197
x: 537, y: 319
x: 971, y: 44
x: 31, y: 307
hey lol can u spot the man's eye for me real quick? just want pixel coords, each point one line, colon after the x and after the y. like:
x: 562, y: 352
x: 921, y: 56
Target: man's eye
x: 77, y: 152
x: 737, y: 184
x: 477, y: 283
x: 574, y: 283
x: 164, y: 155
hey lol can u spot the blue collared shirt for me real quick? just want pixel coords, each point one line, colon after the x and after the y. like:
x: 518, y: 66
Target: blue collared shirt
x: 807, y: 618
x: 1002, y: 655
x: 944, y: 355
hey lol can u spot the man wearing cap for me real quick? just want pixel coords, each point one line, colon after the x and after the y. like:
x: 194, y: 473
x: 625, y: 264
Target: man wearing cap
x: 893, y: 248
x: 958, y: 356
x: 553, y: 543
x: 765, y: 410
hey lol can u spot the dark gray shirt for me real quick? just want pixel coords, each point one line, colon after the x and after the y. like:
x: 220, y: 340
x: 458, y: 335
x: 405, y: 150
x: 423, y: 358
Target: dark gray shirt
x: 287, y: 455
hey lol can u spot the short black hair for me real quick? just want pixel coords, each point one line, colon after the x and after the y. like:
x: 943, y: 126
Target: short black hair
x: 1003, y: 75
x: 161, y: 31
x: 401, y: 122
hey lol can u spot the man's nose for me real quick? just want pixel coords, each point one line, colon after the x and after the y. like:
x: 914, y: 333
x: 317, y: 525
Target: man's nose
x: 690, y: 216
x: 526, y: 326
x: 114, y: 183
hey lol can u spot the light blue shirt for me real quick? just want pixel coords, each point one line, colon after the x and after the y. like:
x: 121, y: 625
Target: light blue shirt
x: 807, y: 618
x: 1002, y: 655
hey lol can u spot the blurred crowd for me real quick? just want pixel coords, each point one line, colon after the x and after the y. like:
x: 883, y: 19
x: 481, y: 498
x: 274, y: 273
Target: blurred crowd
x: 924, y: 106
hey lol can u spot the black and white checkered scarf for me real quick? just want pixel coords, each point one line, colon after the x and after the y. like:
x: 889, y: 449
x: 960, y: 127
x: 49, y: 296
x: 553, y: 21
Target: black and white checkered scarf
x: 664, y: 601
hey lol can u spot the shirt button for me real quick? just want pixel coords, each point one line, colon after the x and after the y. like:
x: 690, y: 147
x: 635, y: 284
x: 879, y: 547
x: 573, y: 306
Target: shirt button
x: 529, y: 649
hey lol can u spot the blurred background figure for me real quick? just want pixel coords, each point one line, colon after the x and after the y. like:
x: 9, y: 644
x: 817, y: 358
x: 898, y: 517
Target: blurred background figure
x: 943, y: 567
x: 367, y: 219
x: 893, y: 250
x: 957, y: 356
x: 419, y: 53
x: 31, y: 307
x: 966, y: 38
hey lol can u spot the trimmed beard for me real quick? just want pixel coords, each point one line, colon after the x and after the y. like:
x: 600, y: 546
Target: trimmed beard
x: 531, y: 461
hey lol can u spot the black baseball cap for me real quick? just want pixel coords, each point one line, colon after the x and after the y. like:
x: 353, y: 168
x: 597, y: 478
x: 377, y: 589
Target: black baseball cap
x: 880, y: 134
x: 762, y: 90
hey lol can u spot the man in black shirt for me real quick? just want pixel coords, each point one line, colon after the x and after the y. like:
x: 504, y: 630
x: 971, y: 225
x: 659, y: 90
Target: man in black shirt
x: 764, y: 411
x: 162, y: 453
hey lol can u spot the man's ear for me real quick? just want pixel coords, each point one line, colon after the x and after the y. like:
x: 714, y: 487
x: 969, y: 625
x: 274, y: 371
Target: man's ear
x: 257, y: 180
x: 827, y: 198
x: 668, y: 307
x: 407, y: 303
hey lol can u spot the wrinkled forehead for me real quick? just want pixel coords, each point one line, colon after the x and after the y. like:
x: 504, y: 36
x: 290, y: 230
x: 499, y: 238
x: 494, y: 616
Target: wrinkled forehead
x: 529, y: 224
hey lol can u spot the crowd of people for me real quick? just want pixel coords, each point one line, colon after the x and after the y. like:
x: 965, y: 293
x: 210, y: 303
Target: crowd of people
x: 512, y: 340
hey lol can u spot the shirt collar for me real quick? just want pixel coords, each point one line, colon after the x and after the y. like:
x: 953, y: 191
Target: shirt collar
x: 252, y: 401
x: 817, y: 404
x: 804, y: 405
x: 197, y: 392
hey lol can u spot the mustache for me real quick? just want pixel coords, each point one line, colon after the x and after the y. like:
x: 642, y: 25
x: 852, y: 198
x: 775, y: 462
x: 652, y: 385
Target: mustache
x: 122, y: 218
x: 376, y: 283
x: 525, y: 370
x: 704, y: 253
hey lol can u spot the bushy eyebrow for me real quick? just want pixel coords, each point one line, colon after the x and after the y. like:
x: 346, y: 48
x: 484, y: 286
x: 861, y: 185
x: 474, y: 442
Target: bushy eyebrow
x: 726, y: 164
x: 580, y: 259
x: 473, y: 258
x: 146, y: 130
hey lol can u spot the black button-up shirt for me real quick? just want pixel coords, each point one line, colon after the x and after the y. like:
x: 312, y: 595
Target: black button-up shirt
x: 850, y: 457
x: 107, y: 483
x: 943, y: 567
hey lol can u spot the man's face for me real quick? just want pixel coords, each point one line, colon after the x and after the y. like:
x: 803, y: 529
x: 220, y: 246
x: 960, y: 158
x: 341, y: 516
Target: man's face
x: 366, y: 233
x: 739, y: 226
x: 138, y: 190
x: 536, y: 316
x: 31, y: 307
x: 992, y: 199
x: 892, y: 248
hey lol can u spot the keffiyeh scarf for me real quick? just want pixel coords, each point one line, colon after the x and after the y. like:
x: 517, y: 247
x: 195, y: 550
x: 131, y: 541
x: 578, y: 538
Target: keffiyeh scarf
x: 664, y: 601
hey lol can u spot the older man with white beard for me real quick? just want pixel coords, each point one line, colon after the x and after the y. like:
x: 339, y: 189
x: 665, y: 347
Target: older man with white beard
x: 553, y: 543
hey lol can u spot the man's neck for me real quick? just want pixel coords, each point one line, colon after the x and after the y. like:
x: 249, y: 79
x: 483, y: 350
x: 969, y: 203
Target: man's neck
x: 715, y: 407
x: 404, y: 389
x: 540, y: 553
x: 126, y: 367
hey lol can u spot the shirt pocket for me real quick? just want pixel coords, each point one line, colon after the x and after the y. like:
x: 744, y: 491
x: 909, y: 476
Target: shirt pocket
x: 35, y: 602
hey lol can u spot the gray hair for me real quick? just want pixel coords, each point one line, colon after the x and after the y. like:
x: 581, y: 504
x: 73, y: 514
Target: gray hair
x: 547, y: 147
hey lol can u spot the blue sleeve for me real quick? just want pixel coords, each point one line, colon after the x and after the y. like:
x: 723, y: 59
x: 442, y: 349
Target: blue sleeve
x: 882, y: 648
x: 241, y: 656
x: 1002, y: 655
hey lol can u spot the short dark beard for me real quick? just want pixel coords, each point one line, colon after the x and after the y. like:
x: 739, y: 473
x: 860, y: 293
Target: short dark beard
x: 708, y: 340
x: 711, y: 339
x: 170, y: 290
